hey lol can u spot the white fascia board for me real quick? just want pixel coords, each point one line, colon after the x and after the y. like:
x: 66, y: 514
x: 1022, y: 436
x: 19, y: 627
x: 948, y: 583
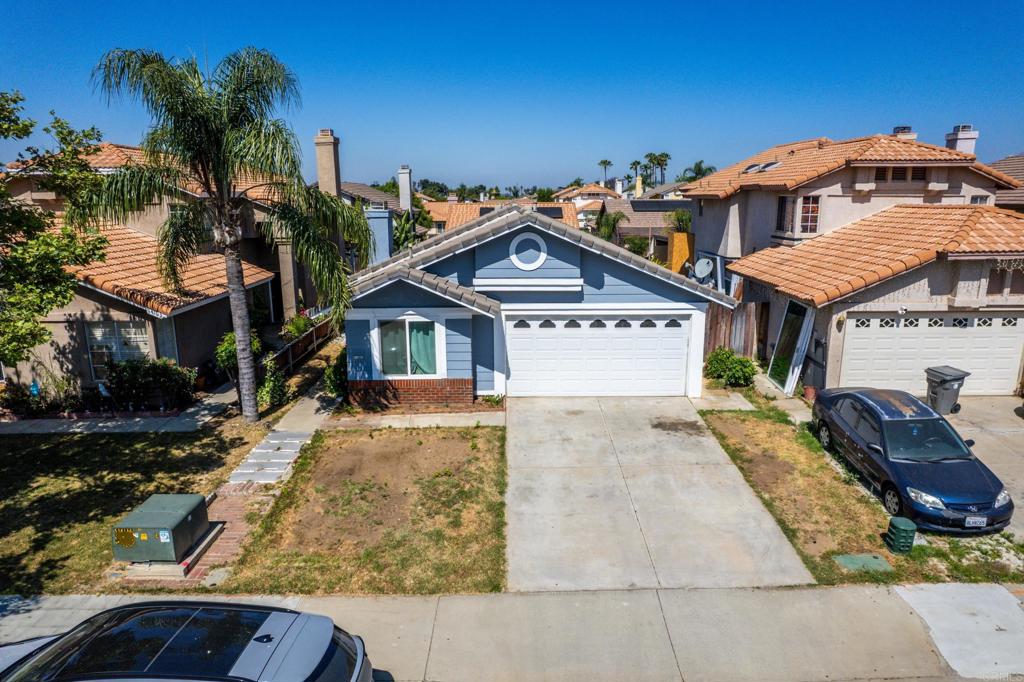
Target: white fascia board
x: 529, y: 284
x: 397, y: 313
x: 427, y: 289
x: 598, y: 308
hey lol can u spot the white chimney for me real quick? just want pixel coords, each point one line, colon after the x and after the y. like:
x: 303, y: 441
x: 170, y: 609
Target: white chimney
x: 328, y: 165
x: 483, y: 196
x: 405, y: 188
x: 452, y: 197
x: 618, y: 186
x: 963, y: 138
x: 904, y: 133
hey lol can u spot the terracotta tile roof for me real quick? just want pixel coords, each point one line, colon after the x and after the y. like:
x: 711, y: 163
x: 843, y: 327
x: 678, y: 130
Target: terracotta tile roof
x: 438, y: 210
x: 594, y: 205
x: 130, y: 273
x: 1014, y: 167
x: 882, y: 246
x: 801, y: 162
x: 590, y: 188
x: 460, y: 213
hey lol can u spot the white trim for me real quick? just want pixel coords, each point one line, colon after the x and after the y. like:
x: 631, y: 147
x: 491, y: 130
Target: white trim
x: 579, y: 244
x: 519, y: 239
x: 695, y: 357
x: 530, y: 287
x: 599, y: 308
x: 500, y: 355
x: 528, y: 283
x: 434, y: 314
x: 440, y: 348
x: 799, y: 351
x: 437, y: 293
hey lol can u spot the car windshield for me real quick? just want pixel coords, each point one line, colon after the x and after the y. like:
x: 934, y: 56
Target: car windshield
x: 923, y: 440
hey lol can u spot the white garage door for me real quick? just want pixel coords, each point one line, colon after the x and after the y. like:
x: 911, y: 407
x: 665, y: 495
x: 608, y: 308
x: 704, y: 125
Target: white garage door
x: 597, y: 355
x: 893, y: 351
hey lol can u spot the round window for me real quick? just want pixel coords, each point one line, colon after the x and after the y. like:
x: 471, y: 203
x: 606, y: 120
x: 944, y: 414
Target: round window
x: 527, y: 251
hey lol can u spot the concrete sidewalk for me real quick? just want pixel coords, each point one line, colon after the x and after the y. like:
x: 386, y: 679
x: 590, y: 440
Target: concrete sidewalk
x: 189, y: 420
x: 734, y: 635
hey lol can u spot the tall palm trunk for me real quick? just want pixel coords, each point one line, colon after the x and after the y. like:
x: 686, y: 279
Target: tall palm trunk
x: 243, y: 333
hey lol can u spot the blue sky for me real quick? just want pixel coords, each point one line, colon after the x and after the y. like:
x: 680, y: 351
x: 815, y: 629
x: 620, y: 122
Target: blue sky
x: 534, y: 93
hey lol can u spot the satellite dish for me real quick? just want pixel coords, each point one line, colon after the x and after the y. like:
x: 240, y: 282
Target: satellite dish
x: 703, y: 267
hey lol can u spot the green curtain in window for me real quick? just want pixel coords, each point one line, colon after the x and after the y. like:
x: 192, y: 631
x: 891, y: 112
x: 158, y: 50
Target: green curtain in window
x: 421, y: 348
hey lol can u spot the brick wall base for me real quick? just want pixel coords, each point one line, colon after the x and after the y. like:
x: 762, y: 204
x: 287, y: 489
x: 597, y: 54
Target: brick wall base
x: 410, y: 392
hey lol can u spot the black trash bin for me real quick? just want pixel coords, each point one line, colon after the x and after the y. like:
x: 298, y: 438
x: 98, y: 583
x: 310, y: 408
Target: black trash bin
x: 944, y: 385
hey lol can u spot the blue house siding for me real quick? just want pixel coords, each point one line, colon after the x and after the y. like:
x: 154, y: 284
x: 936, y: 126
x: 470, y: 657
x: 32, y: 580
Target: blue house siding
x: 493, y: 261
x: 459, y: 348
x: 402, y: 295
x: 609, y: 281
x: 483, y: 353
x: 458, y: 268
x: 360, y: 355
x: 381, y: 228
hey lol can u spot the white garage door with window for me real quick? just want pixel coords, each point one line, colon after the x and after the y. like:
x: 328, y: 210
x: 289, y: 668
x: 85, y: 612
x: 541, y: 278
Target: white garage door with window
x: 597, y: 355
x: 893, y: 351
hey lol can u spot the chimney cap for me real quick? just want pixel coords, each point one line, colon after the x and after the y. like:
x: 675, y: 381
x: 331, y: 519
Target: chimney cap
x: 963, y: 128
x: 404, y: 166
x: 326, y: 132
x: 897, y: 130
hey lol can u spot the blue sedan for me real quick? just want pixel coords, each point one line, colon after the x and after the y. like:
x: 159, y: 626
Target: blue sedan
x: 923, y: 469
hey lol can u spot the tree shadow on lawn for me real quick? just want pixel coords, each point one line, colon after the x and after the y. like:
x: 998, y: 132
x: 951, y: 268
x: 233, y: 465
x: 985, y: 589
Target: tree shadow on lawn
x: 59, y: 495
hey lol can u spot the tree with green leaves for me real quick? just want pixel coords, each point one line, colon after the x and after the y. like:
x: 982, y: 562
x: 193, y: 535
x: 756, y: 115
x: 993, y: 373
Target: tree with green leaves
x: 608, y: 223
x: 679, y: 220
x: 217, y: 132
x: 405, y: 231
x: 695, y: 172
x: 605, y: 164
x: 635, y: 167
x: 34, y: 257
x: 663, y: 159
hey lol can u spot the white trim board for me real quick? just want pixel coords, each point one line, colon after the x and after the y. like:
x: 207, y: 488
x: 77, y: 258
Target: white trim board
x: 528, y: 284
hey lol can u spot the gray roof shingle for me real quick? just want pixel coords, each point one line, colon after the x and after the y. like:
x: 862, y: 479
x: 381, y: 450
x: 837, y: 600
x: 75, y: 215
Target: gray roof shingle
x: 440, y: 285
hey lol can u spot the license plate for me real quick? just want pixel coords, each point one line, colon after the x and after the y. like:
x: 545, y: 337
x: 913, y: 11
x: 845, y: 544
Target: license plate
x: 975, y: 522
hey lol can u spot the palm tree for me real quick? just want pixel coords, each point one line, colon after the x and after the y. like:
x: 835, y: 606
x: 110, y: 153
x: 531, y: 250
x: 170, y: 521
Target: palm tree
x: 635, y: 167
x: 695, y: 172
x: 605, y: 164
x: 663, y: 159
x: 215, y: 134
x: 652, y: 162
x: 608, y: 223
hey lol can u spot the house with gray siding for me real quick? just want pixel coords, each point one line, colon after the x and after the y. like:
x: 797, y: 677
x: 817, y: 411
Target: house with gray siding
x: 516, y: 303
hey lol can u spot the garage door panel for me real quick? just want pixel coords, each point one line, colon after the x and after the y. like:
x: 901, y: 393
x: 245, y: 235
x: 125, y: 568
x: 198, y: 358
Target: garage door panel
x: 896, y: 356
x: 608, y: 360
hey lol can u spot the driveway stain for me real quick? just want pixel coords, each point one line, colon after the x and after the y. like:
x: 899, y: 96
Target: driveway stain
x: 574, y: 413
x: 687, y: 426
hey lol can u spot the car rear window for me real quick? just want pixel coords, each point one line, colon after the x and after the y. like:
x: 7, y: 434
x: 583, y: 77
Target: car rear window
x: 338, y: 663
x: 159, y: 640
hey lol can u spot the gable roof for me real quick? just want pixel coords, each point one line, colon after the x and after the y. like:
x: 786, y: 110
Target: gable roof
x: 507, y: 218
x: 590, y: 188
x: 804, y: 161
x: 882, y: 246
x: 657, y: 192
x: 439, y: 285
x: 129, y: 272
x: 1014, y: 167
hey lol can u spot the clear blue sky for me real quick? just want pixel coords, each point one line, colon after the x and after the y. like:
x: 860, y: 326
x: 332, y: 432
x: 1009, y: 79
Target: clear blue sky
x: 526, y: 93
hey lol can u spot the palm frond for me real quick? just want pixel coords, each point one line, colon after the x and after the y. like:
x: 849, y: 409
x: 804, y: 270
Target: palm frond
x: 181, y: 238
x: 131, y: 189
x: 267, y: 148
x: 253, y: 83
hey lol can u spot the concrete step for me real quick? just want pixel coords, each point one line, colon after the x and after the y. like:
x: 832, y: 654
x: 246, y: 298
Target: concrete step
x: 249, y: 467
x: 256, y: 477
x: 272, y: 456
x: 288, y: 436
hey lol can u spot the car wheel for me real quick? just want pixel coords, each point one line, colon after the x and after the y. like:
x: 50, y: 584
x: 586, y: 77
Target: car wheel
x: 892, y: 501
x: 824, y: 436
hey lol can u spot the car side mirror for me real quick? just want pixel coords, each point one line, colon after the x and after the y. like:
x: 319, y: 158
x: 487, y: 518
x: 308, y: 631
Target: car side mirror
x: 969, y: 442
x: 875, y: 447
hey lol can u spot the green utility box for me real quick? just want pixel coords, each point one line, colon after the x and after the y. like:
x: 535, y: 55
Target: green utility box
x: 162, y: 528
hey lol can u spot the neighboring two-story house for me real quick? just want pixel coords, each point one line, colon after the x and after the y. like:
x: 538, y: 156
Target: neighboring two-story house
x: 1013, y: 166
x: 872, y: 258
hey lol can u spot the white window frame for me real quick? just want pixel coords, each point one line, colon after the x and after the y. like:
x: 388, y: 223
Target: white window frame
x: 799, y: 352
x: 116, y: 355
x: 440, y: 348
x: 439, y: 316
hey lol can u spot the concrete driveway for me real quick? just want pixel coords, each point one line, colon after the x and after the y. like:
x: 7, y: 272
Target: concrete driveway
x: 611, y: 493
x: 997, y: 426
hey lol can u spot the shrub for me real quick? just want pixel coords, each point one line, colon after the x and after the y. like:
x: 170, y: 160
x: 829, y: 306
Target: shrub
x: 151, y: 384
x: 724, y: 365
x: 638, y: 245
x: 296, y: 327
x: 336, y: 376
x: 53, y: 393
x: 226, y: 356
x: 273, y: 391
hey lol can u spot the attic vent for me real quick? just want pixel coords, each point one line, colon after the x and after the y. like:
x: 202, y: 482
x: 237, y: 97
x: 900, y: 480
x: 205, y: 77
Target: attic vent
x: 899, y: 174
x: 918, y: 174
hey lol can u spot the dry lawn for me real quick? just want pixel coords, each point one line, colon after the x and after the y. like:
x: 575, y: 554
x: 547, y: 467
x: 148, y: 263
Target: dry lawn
x: 385, y: 511
x: 825, y: 510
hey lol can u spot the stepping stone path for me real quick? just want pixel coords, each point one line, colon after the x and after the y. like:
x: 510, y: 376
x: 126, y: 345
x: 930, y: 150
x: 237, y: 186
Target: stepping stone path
x: 271, y: 461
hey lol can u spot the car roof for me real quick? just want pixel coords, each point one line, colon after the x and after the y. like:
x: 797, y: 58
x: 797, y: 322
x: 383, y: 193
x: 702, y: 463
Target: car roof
x: 185, y: 640
x: 893, y: 405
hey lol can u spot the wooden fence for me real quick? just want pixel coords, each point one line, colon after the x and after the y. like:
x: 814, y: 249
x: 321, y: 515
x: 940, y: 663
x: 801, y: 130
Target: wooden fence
x: 736, y: 329
x: 298, y: 350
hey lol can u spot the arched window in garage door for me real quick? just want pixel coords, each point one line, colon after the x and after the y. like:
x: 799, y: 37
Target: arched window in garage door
x: 521, y: 324
x: 597, y: 324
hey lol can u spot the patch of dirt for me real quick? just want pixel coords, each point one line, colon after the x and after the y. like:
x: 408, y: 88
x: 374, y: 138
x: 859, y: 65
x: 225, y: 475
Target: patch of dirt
x: 687, y: 426
x: 364, y: 483
x: 349, y: 411
x: 824, y: 513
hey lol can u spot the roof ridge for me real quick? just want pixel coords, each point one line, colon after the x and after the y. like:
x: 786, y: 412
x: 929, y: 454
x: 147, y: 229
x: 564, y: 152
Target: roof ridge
x: 965, y: 230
